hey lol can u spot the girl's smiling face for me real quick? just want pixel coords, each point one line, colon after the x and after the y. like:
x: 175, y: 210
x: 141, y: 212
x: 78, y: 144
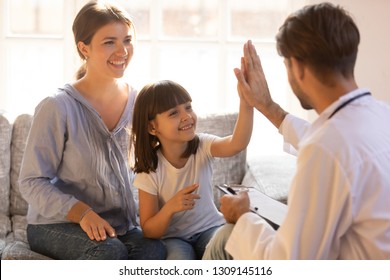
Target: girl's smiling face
x: 175, y: 125
x: 110, y: 50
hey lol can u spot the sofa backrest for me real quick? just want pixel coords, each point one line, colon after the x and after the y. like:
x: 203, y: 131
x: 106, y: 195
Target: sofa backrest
x: 5, y: 165
x: 226, y: 170
x: 20, y: 130
x: 229, y: 170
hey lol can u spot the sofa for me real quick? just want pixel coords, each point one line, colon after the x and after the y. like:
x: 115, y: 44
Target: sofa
x: 13, y: 208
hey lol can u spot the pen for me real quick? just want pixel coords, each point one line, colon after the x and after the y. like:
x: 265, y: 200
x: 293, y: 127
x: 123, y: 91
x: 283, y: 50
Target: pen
x: 255, y: 209
x: 233, y: 192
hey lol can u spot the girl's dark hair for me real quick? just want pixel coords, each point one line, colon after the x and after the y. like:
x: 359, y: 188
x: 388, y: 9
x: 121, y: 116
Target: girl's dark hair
x: 93, y: 16
x: 154, y: 99
x: 323, y: 36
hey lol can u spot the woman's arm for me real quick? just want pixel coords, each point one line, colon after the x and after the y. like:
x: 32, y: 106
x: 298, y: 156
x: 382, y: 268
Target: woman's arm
x: 41, y: 159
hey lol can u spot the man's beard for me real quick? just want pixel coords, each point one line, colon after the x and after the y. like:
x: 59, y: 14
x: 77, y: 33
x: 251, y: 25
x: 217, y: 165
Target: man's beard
x: 302, y: 97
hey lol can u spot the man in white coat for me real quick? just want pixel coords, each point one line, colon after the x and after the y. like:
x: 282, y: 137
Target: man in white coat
x: 338, y: 204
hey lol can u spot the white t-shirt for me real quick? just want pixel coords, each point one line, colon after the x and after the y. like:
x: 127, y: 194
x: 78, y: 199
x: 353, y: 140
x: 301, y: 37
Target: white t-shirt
x: 168, y: 180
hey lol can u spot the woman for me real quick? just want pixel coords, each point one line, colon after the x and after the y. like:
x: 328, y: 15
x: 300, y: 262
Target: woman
x: 75, y: 173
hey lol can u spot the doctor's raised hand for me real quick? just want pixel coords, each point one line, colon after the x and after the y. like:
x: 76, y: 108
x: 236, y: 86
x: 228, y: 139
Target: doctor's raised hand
x: 251, y: 78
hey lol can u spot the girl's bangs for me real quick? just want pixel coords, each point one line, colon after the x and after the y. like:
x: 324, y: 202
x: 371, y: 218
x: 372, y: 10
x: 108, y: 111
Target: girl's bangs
x: 168, y: 96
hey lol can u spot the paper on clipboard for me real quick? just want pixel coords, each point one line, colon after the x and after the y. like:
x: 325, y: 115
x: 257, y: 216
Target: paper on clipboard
x: 261, y: 204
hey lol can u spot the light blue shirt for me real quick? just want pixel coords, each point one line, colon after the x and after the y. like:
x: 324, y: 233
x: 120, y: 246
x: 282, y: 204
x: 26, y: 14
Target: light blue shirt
x: 71, y: 156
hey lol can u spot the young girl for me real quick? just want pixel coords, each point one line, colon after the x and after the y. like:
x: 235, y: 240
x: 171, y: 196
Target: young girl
x: 173, y: 166
x: 75, y: 173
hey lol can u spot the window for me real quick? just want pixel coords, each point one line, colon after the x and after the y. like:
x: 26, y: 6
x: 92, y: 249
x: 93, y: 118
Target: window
x: 40, y: 17
x: 34, y: 52
x: 196, y: 43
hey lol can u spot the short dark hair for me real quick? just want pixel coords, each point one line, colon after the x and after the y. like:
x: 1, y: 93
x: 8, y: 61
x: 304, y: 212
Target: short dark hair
x: 154, y: 99
x: 323, y: 36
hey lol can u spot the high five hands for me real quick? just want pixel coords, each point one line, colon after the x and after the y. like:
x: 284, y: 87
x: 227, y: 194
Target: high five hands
x: 253, y: 87
x: 252, y: 80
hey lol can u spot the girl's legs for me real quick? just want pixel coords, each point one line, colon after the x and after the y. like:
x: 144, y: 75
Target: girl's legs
x: 141, y: 248
x: 201, y: 240
x: 179, y: 249
x: 190, y: 249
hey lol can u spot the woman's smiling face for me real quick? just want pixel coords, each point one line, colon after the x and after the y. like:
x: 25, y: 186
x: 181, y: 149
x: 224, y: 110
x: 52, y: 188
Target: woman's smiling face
x: 110, y: 50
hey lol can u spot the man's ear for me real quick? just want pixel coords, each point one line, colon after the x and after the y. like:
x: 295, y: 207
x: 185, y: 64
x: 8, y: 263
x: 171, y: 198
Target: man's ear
x: 298, y: 67
x: 83, y: 48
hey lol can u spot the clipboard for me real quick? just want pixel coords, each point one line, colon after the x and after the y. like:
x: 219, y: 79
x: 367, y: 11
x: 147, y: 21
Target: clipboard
x: 269, y: 209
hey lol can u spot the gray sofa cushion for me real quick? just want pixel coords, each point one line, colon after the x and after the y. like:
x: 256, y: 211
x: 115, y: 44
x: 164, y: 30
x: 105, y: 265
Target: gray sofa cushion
x: 5, y: 226
x: 2, y: 246
x: 19, y: 228
x: 271, y: 174
x: 229, y: 170
x: 21, y: 251
x: 5, y: 163
x: 21, y: 128
x: 226, y: 170
x: 16, y: 240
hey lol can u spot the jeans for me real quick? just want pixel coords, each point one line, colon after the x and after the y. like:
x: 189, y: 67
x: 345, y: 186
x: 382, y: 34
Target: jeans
x: 215, y: 250
x: 67, y: 241
x: 189, y: 248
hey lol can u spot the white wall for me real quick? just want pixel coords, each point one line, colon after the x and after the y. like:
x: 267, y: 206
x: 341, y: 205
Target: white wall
x: 373, y: 63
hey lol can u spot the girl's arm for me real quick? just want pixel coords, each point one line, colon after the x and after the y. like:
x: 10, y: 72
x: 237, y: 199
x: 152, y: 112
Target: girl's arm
x: 239, y: 140
x: 155, y: 222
